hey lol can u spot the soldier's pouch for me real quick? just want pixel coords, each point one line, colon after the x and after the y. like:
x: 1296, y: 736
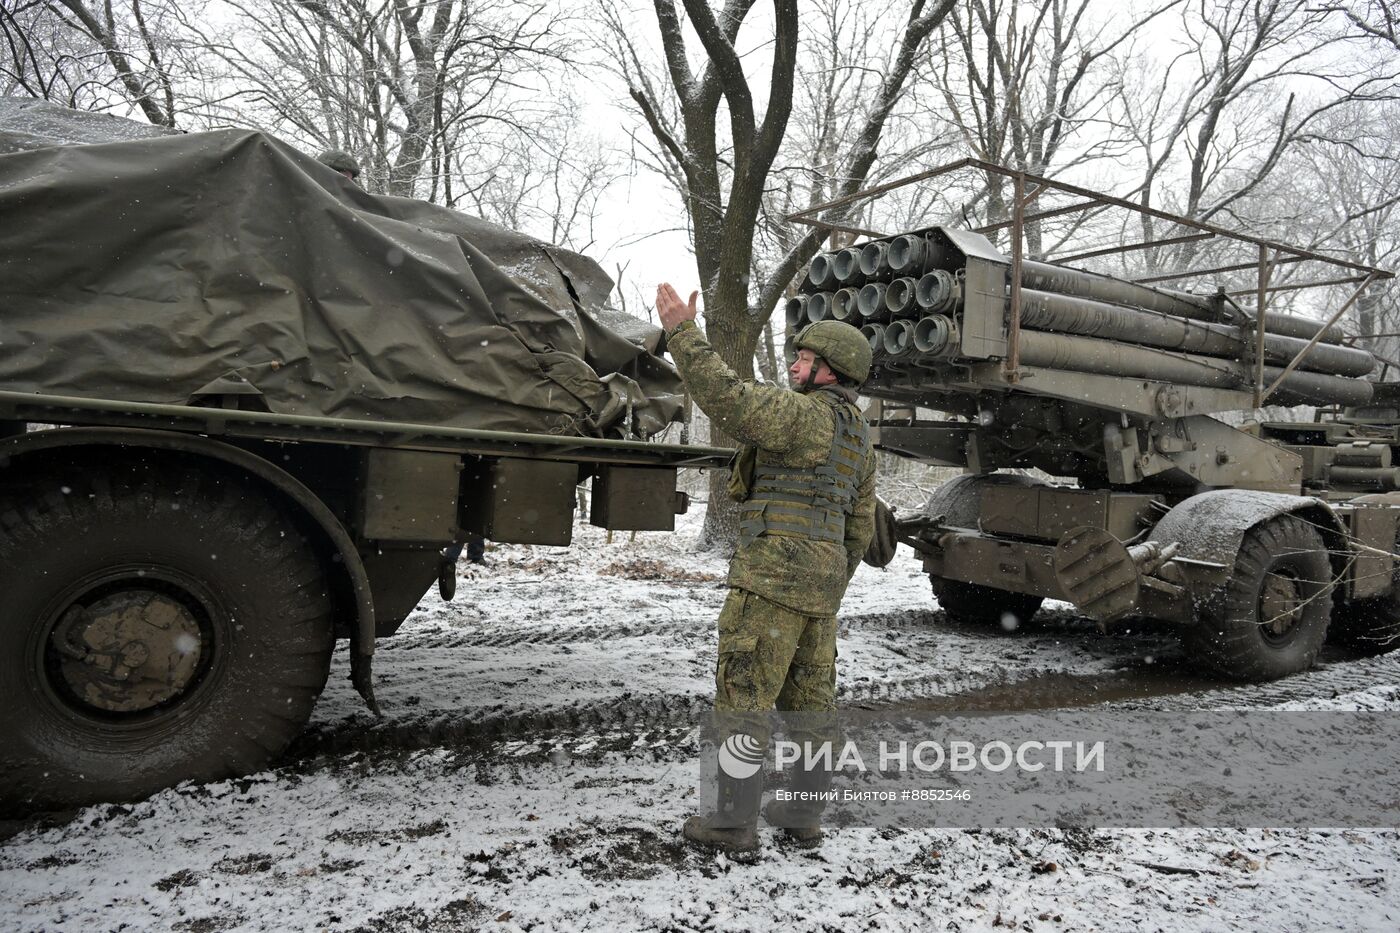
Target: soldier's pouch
x: 736, y: 671
x: 741, y: 472
x: 734, y: 645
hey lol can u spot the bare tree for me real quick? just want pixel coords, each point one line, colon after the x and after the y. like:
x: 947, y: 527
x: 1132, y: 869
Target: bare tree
x: 409, y: 86
x: 723, y: 170
x: 1375, y: 19
x: 1027, y: 84
x: 1338, y: 192
x: 110, y: 56
x: 1249, y: 81
x: 550, y: 182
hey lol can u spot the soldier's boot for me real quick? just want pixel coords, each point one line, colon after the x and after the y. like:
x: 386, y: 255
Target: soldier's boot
x: 733, y: 827
x: 447, y: 572
x: 801, y: 819
x: 447, y: 576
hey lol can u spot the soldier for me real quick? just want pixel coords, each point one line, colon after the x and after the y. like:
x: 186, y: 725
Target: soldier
x: 806, y: 480
x: 342, y: 162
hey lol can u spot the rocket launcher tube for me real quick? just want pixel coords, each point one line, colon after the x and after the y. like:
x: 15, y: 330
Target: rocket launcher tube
x: 933, y: 335
x: 1046, y: 277
x: 875, y: 333
x: 871, y: 301
x: 899, y: 297
x: 1049, y: 311
x: 820, y: 273
x: 899, y: 338
x: 936, y: 291
x: 796, y: 311
x: 906, y: 255
x: 843, y: 304
x: 846, y: 265
x: 873, y: 260
x: 1088, y: 355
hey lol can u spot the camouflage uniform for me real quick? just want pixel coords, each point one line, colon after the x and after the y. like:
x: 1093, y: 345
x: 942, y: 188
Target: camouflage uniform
x: 777, y: 630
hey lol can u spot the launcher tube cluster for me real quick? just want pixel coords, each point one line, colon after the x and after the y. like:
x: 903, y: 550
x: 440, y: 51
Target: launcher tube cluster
x: 942, y: 296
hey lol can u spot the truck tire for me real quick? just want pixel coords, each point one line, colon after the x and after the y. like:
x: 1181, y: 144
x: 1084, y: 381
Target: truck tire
x: 161, y: 624
x: 983, y: 605
x: 1271, y: 619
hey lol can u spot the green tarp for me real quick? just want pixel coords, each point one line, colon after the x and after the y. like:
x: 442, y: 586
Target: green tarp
x: 188, y: 268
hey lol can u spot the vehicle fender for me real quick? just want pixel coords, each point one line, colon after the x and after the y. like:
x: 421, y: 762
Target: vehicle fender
x: 959, y: 500
x: 1211, y: 526
x: 346, y: 559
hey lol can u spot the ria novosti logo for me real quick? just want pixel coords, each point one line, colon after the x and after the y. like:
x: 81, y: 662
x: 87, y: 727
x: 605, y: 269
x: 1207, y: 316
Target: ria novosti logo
x: 741, y: 756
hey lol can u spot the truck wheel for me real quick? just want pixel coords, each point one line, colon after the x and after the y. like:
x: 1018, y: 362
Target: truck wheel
x: 983, y: 605
x: 1272, y: 617
x: 157, y: 628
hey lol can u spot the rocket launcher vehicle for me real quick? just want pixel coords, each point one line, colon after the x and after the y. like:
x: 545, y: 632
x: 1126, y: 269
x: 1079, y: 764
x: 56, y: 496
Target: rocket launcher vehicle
x: 1155, y: 508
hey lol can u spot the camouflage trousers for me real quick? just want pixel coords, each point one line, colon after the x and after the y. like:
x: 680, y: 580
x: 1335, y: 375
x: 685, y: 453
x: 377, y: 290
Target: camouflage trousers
x: 771, y: 657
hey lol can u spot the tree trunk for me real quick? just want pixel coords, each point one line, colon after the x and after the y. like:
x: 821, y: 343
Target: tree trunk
x: 733, y: 333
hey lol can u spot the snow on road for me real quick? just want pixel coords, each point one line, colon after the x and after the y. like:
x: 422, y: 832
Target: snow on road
x: 535, y: 761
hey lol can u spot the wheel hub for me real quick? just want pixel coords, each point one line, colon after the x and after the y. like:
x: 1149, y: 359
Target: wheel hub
x: 1280, y: 606
x: 129, y: 650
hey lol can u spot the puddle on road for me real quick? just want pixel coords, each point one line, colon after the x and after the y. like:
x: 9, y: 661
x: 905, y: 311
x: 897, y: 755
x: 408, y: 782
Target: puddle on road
x: 1061, y: 690
x: 1065, y: 690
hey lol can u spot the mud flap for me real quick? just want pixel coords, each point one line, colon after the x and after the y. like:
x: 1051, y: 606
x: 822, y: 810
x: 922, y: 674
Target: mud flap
x: 361, y: 675
x: 1097, y: 573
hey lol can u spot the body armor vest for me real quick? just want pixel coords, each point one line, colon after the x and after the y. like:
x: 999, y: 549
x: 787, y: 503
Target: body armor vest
x: 810, y: 502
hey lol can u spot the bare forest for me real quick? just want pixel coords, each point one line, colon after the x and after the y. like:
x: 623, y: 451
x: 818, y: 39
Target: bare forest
x: 632, y: 131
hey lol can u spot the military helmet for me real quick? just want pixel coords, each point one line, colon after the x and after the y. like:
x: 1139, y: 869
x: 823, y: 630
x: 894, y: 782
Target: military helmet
x: 341, y: 161
x: 844, y: 348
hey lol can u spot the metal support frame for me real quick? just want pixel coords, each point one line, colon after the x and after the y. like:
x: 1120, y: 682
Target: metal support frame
x: 1260, y: 309
x: 1131, y: 247
x: 1194, y: 273
x: 1316, y: 283
x: 1038, y: 215
x: 1096, y: 198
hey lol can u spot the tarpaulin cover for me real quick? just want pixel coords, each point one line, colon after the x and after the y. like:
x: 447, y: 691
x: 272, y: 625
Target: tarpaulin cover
x: 182, y: 269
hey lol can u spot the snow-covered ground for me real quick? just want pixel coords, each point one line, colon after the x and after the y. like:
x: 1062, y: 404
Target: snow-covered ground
x: 536, y: 759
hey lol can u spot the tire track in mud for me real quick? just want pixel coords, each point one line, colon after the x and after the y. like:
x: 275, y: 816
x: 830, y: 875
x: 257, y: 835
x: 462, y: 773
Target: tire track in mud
x: 638, y: 714
x: 410, y: 730
x: 503, y: 636
x: 671, y: 714
x: 931, y: 620
x: 1020, y: 684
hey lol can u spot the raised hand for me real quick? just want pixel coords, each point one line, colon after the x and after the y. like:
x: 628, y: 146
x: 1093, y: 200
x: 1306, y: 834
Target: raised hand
x: 671, y: 309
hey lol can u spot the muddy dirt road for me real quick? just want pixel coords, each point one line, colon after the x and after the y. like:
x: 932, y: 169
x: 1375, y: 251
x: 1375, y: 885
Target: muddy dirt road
x: 537, y: 755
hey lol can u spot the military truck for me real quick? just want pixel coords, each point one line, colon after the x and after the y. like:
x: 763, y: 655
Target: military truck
x: 176, y: 577
x: 1082, y: 409
x: 245, y: 406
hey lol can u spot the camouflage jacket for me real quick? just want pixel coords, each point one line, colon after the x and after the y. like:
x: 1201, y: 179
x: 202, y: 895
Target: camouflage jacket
x: 792, y: 429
